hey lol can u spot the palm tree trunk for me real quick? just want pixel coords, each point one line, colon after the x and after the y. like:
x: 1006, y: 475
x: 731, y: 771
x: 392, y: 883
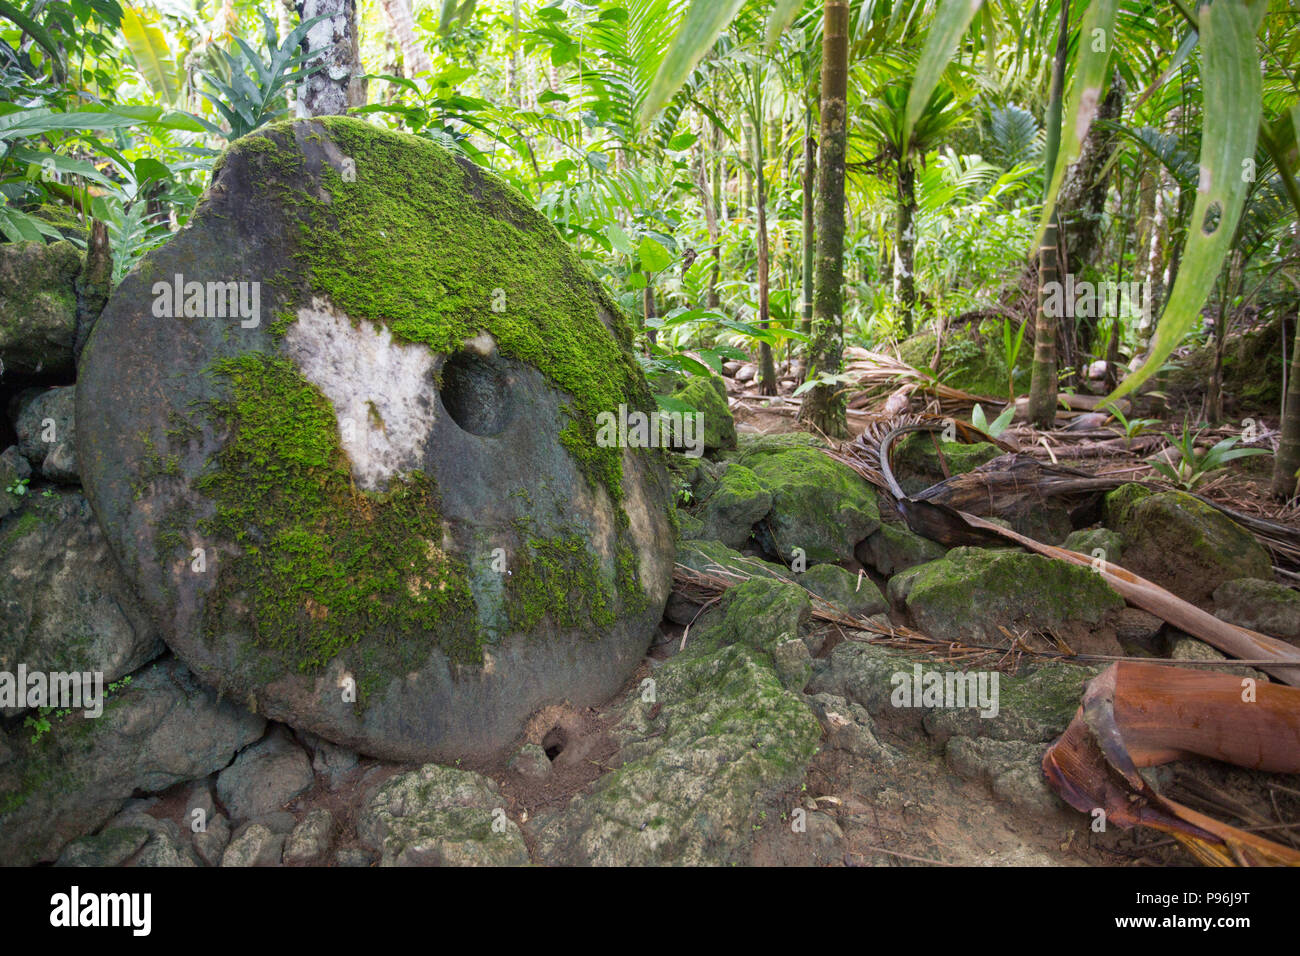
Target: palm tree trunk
x: 905, y: 245
x: 766, y: 362
x: 809, y: 232
x: 1042, y: 388
x: 333, y: 90
x: 822, y: 408
x: 1286, y: 463
x: 707, y: 200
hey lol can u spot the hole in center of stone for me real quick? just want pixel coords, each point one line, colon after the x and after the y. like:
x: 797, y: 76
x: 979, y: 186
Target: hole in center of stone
x: 476, y: 393
x: 553, y: 743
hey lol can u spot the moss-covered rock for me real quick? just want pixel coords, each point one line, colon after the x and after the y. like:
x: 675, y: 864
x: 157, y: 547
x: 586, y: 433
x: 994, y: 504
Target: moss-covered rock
x: 917, y: 465
x: 110, y: 847
x: 160, y: 729
x: 969, y: 592
x: 47, y: 433
x: 972, y: 359
x: 412, y: 534
x: 1035, y: 705
x: 750, y: 448
x: 1261, y: 605
x: 1089, y: 541
x: 709, y: 556
x: 38, y: 309
x: 819, y: 505
x: 856, y: 595
x: 708, y: 396
x: 701, y: 763
x: 1182, y: 543
x: 893, y: 548
x: 736, y: 500
x: 761, y: 612
x: 64, y: 604
x: 437, y: 816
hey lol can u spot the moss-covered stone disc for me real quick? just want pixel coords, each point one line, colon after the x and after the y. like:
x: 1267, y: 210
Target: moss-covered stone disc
x: 341, y: 430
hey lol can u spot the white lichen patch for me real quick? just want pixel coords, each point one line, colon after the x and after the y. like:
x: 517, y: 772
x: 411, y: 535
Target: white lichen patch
x: 382, y: 390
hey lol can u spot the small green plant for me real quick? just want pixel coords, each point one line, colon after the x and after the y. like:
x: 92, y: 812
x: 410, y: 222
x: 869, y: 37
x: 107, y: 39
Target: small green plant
x: 685, y: 497
x: 1193, y: 466
x: 18, y: 486
x: 1133, y: 427
x: 39, y: 724
x: 1011, y: 343
x: 998, y: 425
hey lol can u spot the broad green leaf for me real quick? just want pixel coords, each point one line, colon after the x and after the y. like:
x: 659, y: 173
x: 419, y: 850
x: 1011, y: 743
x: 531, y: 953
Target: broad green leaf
x: 620, y: 240
x: 699, y: 31
x: 1231, y: 87
x: 148, y: 45
x: 62, y: 164
x: 38, y: 121
x: 654, y: 257
x: 1086, y: 92
x: 17, y: 226
x: 783, y: 14
x: 945, y: 32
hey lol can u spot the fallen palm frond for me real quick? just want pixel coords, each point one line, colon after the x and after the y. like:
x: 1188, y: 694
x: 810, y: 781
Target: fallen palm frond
x: 1137, y: 715
x: 1232, y: 640
x: 878, y: 371
x: 1004, y: 487
x: 873, y: 371
x: 1016, y: 486
x: 951, y: 526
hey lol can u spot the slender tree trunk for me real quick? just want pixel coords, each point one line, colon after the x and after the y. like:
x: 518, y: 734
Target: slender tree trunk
x: 905, y: 245
x: 414, y: 58
x: 766, y: 362
x: 512, y: 65
x: 1286, y: 463
x: 285, y: 12
x: 1155, y: 253
x: 822, y: 408
x: 333, y: 90
x: 1083, y: 205
x: 711, y: 219
x: 648, y: 309
x: 809, y: 232
x: 1042, y: 388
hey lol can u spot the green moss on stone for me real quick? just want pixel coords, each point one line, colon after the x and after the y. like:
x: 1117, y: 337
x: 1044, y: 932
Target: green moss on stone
x: 559, y: 577
x: 708, y: 396
x: 323, y: 563
x: 476, y: 258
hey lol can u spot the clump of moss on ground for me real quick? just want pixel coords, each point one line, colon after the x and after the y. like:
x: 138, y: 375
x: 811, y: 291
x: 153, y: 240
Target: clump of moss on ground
x: 323, y: 563
x: 432, y: 247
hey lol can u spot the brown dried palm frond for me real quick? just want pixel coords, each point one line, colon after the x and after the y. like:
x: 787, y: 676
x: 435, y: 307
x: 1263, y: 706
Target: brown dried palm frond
x: 1139, y: 714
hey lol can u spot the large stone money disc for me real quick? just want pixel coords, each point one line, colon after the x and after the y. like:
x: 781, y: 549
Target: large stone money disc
x: 341, y: 431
